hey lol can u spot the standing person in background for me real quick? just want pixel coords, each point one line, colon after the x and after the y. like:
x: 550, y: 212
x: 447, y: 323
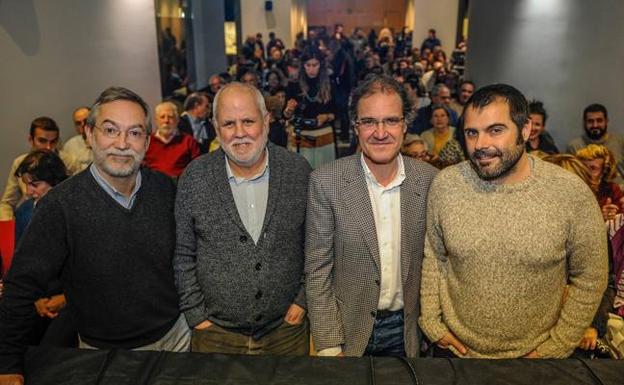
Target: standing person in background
x: 194, y: 120
x: 77, y: 145
x: 431, y: 41
x: 310, y: 107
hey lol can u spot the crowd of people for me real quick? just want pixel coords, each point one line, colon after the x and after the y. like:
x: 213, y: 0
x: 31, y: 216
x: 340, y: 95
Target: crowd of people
x: 357, y: 190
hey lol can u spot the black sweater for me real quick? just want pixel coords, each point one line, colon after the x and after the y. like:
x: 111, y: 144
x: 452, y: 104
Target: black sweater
x: 115, y: 265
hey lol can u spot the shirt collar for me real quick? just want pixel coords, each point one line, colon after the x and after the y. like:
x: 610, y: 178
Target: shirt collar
x: 109, y: 188
x: 260, y: 174
x: 398, y: 179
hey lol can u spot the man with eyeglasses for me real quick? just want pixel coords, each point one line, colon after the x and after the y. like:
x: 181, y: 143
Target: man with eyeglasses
x: 77, y: 145
x: 96, y: 232
x: 365, y: 230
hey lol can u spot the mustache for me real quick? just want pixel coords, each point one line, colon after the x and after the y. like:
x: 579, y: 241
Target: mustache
x: 480, y: 154
x: 127, y: 152
x: 241, y: 141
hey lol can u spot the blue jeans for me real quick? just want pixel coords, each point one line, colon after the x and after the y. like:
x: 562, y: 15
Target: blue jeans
x: 387, y: 336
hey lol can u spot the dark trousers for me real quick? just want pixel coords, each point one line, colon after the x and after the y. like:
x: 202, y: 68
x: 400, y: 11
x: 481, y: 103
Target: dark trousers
x: 286, y: 340
x: 439, y: 352
x: 387, y: 336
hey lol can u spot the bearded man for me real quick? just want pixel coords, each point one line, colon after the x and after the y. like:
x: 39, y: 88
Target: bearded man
x: 507, y: 236
x: 109, y: 234
x: 240, y: 213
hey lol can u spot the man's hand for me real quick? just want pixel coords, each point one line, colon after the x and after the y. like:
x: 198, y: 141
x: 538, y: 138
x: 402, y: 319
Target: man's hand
x: 203, y: 325
x: 532, y: 354
x: 295, y: 314
x: 449, y: 339
x: 11, y: 379
x: 56, y: 303
x: 590, y: 337
x: 41, y: 305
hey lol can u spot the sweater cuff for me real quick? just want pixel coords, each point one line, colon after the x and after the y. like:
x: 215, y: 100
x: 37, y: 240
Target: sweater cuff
x: 195, y: 316
x: 433, y: 329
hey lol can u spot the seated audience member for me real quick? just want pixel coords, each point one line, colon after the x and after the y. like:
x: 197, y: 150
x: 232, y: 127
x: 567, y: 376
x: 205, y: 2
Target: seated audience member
x: 169, y: 150
x: 439, y: 95
x: 596, y: 123
x: 601, y: 164
x: 466, y: 89
x: 414, y: 146
x: 441, y: 132
x: 598, y: 328
x: 539, y: 138
x: 194, y: 120
x: 250, y: 77
x: 77, y: 145
x: 109, y: 233
x: 44, y: 134
x: 275, y: 104
x: 39, y: 171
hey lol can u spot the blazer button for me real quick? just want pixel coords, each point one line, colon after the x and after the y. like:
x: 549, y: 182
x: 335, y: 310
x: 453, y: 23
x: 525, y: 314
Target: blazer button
x: 243, y: 238
x: 258, y: 317
x: 373, y: 314
x: 377, y: 282
x: 259, y: 294
x: 258, y: 266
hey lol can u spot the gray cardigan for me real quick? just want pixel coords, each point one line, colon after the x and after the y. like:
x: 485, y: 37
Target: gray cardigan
x: 220, y: 273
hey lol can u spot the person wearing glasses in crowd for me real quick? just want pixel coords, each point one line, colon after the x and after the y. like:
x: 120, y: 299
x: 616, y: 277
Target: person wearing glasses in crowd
x: 97, y: 232
x: 77, y: 145
x: 365, y: 229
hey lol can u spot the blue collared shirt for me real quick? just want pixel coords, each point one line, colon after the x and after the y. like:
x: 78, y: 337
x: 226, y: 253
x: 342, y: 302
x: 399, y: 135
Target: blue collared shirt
x: 251, y: 196
x: 126, y: 202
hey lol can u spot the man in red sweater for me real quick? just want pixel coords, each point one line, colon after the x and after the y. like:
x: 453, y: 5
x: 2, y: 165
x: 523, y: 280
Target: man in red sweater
x: 170, y: 151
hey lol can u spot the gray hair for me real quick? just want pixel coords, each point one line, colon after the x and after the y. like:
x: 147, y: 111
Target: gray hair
x: 112, y: 94
x: 256, y: 92
x: 435, y: 91
x: 169, y: 105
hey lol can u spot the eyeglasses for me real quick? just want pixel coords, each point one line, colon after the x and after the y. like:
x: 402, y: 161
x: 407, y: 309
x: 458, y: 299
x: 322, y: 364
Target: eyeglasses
x: 112, y: 132
x: 372, y: 123
x: 80, y: 123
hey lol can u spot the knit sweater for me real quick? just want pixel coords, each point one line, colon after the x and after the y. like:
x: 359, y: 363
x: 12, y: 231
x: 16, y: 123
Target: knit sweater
x: 115, y: 265
x: 498, y: 257
x: 221, y: 273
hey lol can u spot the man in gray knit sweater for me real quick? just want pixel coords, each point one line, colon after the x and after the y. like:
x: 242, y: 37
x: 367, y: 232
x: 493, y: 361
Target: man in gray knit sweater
x: 506, y: 232
x: 239, y: 219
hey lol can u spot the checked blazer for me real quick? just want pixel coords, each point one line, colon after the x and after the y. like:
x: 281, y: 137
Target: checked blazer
x: 342, y: 255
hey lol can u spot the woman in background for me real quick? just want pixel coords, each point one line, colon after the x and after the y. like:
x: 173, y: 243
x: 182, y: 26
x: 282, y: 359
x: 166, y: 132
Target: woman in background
x: 310, y: 109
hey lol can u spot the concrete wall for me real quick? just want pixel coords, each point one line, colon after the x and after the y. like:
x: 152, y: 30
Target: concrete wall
x: 60, y: 54
x: 208, y: 40
x: 440, y: 15
x: 567, y: 53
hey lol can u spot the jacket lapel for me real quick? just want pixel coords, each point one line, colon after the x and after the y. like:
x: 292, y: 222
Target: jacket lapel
x: 358, y: 203
x: 410, y: 220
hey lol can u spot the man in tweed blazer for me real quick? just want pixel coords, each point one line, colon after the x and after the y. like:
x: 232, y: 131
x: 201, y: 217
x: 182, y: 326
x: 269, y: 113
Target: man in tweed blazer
x: 365, y: 230
x: 239, y: 256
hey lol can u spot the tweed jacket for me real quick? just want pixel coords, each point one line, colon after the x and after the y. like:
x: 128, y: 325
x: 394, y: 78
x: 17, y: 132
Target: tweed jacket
x: 221, y: 274
x: 342, y: 254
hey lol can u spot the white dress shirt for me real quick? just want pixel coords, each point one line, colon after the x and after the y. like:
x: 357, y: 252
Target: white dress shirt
x: 386, y: 205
